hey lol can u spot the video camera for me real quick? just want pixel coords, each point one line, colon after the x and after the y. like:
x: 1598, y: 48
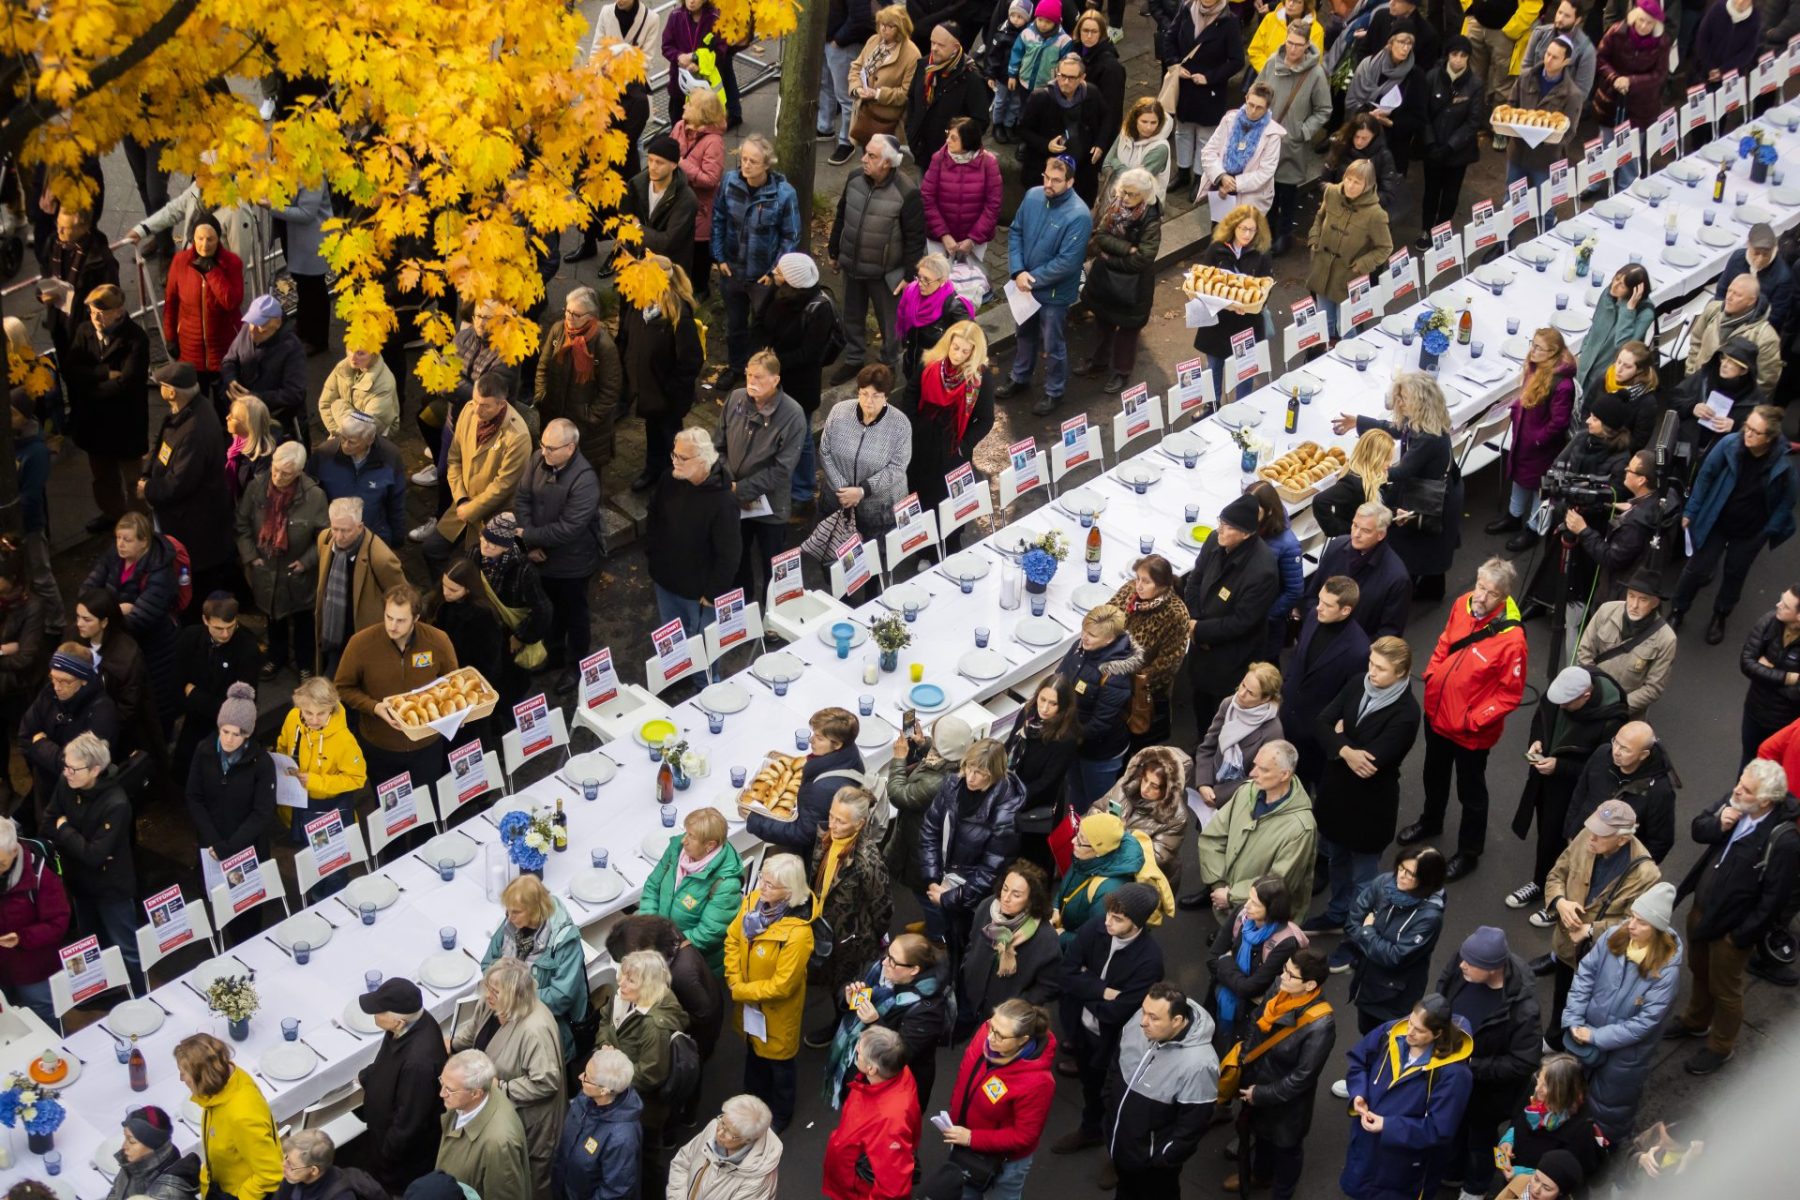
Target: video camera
x: 1576, y: 489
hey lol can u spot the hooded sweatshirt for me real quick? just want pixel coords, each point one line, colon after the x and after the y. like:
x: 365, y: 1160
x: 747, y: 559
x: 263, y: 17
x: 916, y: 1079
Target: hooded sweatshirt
x: 1160, y: 1095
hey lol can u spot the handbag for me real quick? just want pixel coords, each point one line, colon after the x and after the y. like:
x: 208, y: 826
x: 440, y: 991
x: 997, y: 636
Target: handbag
x: 1231, y: 1068
x: 1425, y: 498
x: 828, y: 535
x: 1141, y: 710
x: 1170, y: 91
x: 530, y: 657
x: 964, y: 1168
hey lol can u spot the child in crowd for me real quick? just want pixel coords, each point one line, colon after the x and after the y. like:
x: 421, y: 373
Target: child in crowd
x: 1035, y: 50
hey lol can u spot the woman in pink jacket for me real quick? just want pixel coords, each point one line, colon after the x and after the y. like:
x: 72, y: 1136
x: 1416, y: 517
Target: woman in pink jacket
x: 962, y: 193
x: 1540, y: 426
x: 701, y: 135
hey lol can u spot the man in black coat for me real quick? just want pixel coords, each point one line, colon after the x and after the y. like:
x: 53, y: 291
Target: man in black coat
x: 80, y: 258
x: 1623, y: 545
x: 89, y: 822
x: 400, y: 1088
x: 1092, y: 971
x: 1333, y: 650
x: 1228, y: 594
x: 1491, y: 988
x: 72, y: 701
x: 1365, y: 556
x: 266, y: 360
x: 946, y: 86
x: 558, y: 509
x: 106, y: 370
x: 184, y: 484
x: 209, y: 658
x: 1064, y: 117
x: 1633, y: 767
x: 1741, y: 884
x: 664, y: 203
x: 692, y: 542
x: 1771, y: 662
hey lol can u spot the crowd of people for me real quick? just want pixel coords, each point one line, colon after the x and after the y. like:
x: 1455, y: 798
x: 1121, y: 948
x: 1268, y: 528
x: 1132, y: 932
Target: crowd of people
x: 1048, y: 867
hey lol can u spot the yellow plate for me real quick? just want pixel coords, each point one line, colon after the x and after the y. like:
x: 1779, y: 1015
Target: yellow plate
x: 1199, y: 533
x: 656, y: 731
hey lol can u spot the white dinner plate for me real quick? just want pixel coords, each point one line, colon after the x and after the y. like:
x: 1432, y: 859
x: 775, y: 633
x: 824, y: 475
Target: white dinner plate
x: 1039, y: 631
x: 727, y: 697
x: 106, y: 1160
x: 872, y: 733
x: 1301, y: 384
x: 597, y: 766
x: 1572, y: 320
x: 1354, y: 350
x: 135, y: 1018
x: 447, y: 969
x: 967, y: 565
x: 1535, y: 254
x: 1649, y: 189
x: 1787, y: 195
x: 1716, y: 236
x: 1189, y: 440
x: 456, y: 846
x: 1572, y: 232
x: 896, y: 598
x: 1680, y: 257
x: 73, y: 1074
x: 1090, y: 596
x: 289, y: 1061
x: 595, y: 886
x: 1687, y: 172
x: 1720, y: 152
x: 858, y: 635
x: 381, y: 891
x: 1611, y: 210
x: 654, y: 843
x: 1749, y: 214
x: 1082, y: 500
x: 355, y: 1018
x: 308, y: 927
x: 1395, y: 324
x: 779, y: 664
x: 1238, y: 415
x: 216, y: 968
x: 1515, y: 348
x: 1495, y: 275
x: 1137, y: 471
x: 982, y: 664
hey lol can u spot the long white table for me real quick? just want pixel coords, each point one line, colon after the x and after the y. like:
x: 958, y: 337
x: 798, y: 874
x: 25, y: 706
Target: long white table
x: 625, y: 816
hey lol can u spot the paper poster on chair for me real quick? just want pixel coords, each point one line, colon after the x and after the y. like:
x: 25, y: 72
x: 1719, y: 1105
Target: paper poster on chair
x: 325, y: 834
x: 1026, y: 472
x: 168, y: 915
x: 1193, y: 388
x: 959, y: 485
x: 599, y: 682
x: 784, y: 577
x: 532, y: 714
x: 1074, y: 440
x: 906, y: 521
x: 672, y: 658
x: 732, y: 623
x: 243, y: 880
x: 853, y: 561
x: 468, y: 767
x: 1134, y: 403
x: 399, y: 811
x: 1665, y: 135
x: 81, y: 963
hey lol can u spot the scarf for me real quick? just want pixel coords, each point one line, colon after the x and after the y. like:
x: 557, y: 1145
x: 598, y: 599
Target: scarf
x: 1282, y: 1003
x: 1375, y: 699
x: 1643, y: 43
x: 1070, y: 102
x: 1119, y: 220
x: 1373, y: 79
x: 1134, y: 605
x: 272, y: 538
x: 1539, y: 1116
x: 935, y: 73
x: 944, y: 387
x: 1252, y: 935
x: 1239, y: 724
x: 336, y: 611
x: 883, y: 54
x: 495, y: 570
x: 485, y: 430
x: 961, y: 158
x: 884, y: 998
x: 916, y: 310
x: 234, y: 454
x: 685, y: 866
x: 1242, y: 142
x: 765, y: 914
x: 575, y: 346
x: 1203, y: 14
x: 828, y: 868
x: 1007, y: 934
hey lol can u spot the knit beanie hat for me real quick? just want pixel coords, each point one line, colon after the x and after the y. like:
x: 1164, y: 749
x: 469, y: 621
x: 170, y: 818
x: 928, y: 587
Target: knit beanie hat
x: 1022, y: 7
x: 149, y: 1125
x: 1653, y: 10
x: 1457, y: 42
x: 1048, y: 10
x: 1563, y: 1170
x: 1485, y: 949
x: 502, y: 529
x: 436, y: 1186
x: 664, y: 147
x: 1612, y: 409
x: 798, y: 269
x: 74, y: 664
x: 1243, y: 513
x: 1137, y: 901
x: 203, y: 217
x: 951, y: 738
x: 1103, y: 832
x: 1656, y: 907
x: 239, y: 709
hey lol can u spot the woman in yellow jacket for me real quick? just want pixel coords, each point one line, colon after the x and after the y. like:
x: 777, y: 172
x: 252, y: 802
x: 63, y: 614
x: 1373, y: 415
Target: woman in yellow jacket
x: 330, y: 761
x: 766, y: 951
x: 240, y: 1155
x: 1272, y: 32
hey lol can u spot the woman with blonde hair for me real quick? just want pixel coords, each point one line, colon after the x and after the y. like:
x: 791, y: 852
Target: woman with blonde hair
x: 538, y: 931
x: 240, y: 1156
x: 1423, y: 487
x: 640, y: 1021
x: 1100, y: 666
x: 951, y: 410
x: 1540, y: 428
x: 660, y: 350
x: 1120, y: 289
x: 252, y: 444
x: 1359, y: 483
x: 881, y: 79
x: 1249, y: 718
x: 700, y: 133
x: 1240, y: 243
x: 513, y: 1028
x: 766, y: 952
x: 1143, y: 142
x: 1350, y: 237
x: 327, y: 759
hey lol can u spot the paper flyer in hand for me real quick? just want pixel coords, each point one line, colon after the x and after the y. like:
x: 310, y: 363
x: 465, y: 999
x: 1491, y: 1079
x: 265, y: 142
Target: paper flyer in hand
x: 81, y: 963
x: 1697, y: 109
x: 468, y: 767
x: 289, y: 791
x: 1023, y: 304
x: 1666, y: 134
x: 399, y: 811
x: 1359, y: 303
x: 853, y: 562
x: 731, y: 618
x: 243, y: 879
x: 672, y: 658
x: 959, y: 486
x: 759, y: 507
x: 325, y: 835
x: 785, y: 582
x: 599, y: 682
x: 1193, y: 388
x: 1027, y: 474
x: 168, y: 915
x: 1308, y: 329
x: 1249, y: 357
x: 1135, y: 404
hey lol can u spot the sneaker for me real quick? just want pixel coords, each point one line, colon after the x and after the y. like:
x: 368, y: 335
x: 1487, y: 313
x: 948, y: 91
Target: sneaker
x: 842, y: 154
x: 1706, y: 1060
x: 1524, y: 896
x: 825, y: 135
x: 1543, y: 918
x: 1341, y: 1090
x: 1499, y: 141
x: 1116, y: 33
x: 1678, y: 1030
x: 426, y: 476
x: 421, y: 532
x: 1342, y: 959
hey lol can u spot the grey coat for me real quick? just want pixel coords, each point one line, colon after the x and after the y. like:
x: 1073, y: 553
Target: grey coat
x: 306, y: 218
x: 872, y: 457
x: 1626, y: 1013
x: 527, y: 1054
x: 1302, y: 115
x: 559, y: 513
x: 761, y: 450
x: 280, y: 591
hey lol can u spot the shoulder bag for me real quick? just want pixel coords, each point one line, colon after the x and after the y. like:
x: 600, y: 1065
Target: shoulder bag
x: 965, y: 1167
x: 1170, y: 91
x: 1141, y: 711
x: 1231, y: 1069
x: 828, y: 535
x: 530, y: 657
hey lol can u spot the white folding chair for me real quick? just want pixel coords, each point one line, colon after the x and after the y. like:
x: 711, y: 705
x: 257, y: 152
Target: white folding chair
x: 840, y: 585
x: 335, y: 1115
x: 1009, y: 486
x: 448, y: 799
x: 902, y: 543
x: 753, y: 632
x: 1489, y: 440
x: 1147, y: 420
x: 274, y: 892
x: 512, y: 750
x: 956, y: 511
x: 375, y: 825
x: 62, y: 996
x: 149, y: 939
x: 306, y: 859
x: 655, y: 680
x: 1088, y: 451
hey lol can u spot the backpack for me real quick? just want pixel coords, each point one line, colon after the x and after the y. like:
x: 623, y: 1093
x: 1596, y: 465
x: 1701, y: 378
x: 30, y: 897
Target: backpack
x: 1152, y: 875
x: 184, y: 574
x: 683, y: 1083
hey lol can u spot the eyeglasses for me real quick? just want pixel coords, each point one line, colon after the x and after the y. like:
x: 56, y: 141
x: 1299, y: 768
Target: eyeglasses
x: 72, y: 769
x: 550, y: 449
x: 1067, y: 76
x: 896, y: 963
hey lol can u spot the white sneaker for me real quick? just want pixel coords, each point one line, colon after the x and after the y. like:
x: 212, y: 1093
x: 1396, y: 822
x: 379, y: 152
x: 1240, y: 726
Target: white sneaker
x: 426, y: 476
x: 1524, y: 895
x: 422, y: 532
x: 1341, y: 1090
x: 1543, y: 918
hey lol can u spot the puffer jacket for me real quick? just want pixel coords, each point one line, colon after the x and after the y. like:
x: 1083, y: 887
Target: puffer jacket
x: 1081, y: 893
x: 1393, y: 967
x: 557, y: 964
x: 1012, y: 1122
x: 558, y: 510
x: 912, y: 786
x: 1623, y: 55
x: 1626, y: 1012
x: 1166, y: 824
x: 1303, y: 96
x: 870, y: 1153
x: 239, y: 1152
x: 701, y: 903
x: 752, y: 227
x: 201, y: 309
x: 1159, y: 1096
x: 1102, y: 682
x: 1349, y: 238
x: 700, y: 1172
x: 165, y: 1174
x: 962, y: 200
x: 971, y: 834
x: 1421, y: 1108
x: 1468, y: 694
x: 703, y: 164
x: 33, y: 905
x: 871, y: 455
x: 280, y: 590
x: 771, y: 974
x: 879, y: 230
x: 858, y: 908
x: 1237, y: 848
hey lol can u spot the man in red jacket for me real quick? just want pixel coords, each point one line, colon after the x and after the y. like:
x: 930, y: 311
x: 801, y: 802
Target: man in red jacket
x: 1475, y: 678
x: 870, y: 1155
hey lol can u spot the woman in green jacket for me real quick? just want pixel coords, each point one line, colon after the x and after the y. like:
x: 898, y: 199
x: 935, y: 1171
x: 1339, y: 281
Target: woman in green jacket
x: 697, y: 884
x: 1106, y: 859
x: 639, y: 1022
x: 538, y: 930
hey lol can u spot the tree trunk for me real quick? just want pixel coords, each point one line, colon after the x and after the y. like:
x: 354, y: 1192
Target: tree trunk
x: 796, y: 128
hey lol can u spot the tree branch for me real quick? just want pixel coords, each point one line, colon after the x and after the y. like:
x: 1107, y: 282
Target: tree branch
x: 26, y: 117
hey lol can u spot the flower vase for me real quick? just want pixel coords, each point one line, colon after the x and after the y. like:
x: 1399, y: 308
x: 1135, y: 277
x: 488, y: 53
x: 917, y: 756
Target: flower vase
x: 1247, y: 462
x: 43, y: 1143
x: 1428, y: 362
x: 1759, y: 170
x: 890, y: 660
x: 1581, y: 267
x: 238, y: 1027
x: 1035, y: 587
x: 682, y: 778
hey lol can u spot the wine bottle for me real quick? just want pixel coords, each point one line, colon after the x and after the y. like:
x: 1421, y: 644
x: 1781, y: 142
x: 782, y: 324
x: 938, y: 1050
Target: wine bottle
x: 138, y: 1069
x: 665, y: 783
x: 1292, y: 420
x: 1465, y: 325
x: 1719, y: 184
x: 559, y: 828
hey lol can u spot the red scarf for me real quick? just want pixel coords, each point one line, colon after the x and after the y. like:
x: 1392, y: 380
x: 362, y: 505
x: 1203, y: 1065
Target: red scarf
x: 575, y: 343
x: 947, y: 387
x: 272, y: 538
x: 485, y: 430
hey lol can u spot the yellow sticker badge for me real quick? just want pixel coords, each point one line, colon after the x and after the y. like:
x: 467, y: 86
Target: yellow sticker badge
x: 162, y: 456
x: 994, y: 1089
x: 422, y: 660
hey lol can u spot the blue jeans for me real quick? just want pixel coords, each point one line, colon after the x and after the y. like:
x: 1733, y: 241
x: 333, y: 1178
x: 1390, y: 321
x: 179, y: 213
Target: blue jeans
x: 36, y: 997
x: 1047, y: 330
x: 1330, y: 309
x: 1521, y: 501
x: 1008, y: 1184
x: 806, y: 471
x: 834, y: 90
x: 113, y: 920
x: 1091, y: 778
x: 1537, y: 177
x: 1350, y: 870
x: 692, y: 615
